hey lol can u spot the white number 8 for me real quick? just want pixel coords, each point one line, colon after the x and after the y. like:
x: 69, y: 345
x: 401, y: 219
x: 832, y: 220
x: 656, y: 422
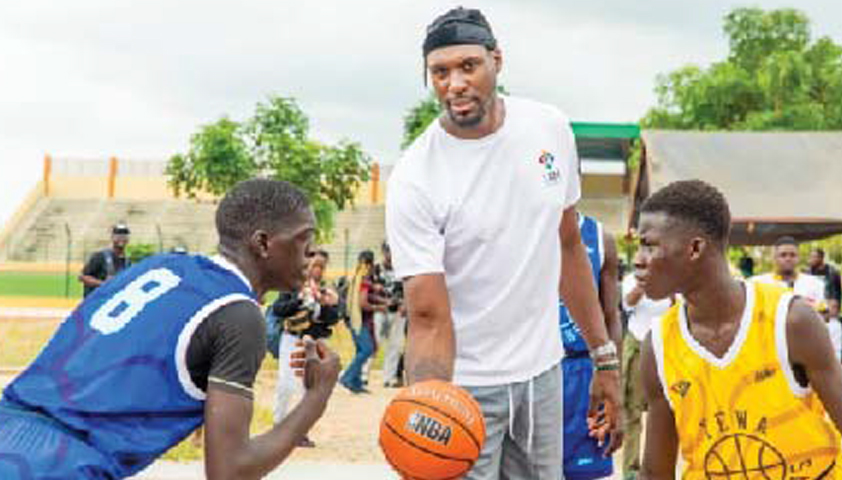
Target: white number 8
x: 128, y: 302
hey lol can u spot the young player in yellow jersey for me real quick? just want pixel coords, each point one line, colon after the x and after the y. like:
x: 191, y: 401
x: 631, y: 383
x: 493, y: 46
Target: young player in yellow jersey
x: 739, y: 375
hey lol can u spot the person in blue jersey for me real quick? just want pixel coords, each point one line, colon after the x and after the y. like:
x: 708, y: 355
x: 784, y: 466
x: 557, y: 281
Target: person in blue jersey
x: 584, y: 457
x: 171, y: 344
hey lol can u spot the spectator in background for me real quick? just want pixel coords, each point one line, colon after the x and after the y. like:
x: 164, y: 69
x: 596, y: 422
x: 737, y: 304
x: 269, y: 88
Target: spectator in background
x: 809, y: 287
x: 107, y: 263
x: 641, y: 312
x: 391, y: 324
x: 786, y: 274
x: 746, y: 264
x: 312, y: 310
x: 361, y: 311
x: 832, y: 284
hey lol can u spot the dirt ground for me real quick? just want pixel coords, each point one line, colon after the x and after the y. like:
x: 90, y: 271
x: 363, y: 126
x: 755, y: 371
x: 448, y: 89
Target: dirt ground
x: 347, y: 433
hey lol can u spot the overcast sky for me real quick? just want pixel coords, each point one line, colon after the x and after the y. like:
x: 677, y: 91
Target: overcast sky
x: 95, y: 78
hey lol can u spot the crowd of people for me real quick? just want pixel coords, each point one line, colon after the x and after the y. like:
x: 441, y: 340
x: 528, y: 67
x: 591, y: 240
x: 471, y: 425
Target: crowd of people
x: 491, y: 280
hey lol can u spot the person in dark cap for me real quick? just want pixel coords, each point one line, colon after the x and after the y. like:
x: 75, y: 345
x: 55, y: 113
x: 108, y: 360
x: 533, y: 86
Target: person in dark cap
x: 481, y: 211
x: 107, y: 263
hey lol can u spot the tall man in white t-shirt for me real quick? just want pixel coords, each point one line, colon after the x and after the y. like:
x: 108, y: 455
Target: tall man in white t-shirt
x: 479, y: 214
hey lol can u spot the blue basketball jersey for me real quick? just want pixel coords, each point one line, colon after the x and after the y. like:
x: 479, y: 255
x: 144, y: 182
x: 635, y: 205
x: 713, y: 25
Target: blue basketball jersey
x: 583, y: 459
x: 115, y: 373
x: 592, y: 239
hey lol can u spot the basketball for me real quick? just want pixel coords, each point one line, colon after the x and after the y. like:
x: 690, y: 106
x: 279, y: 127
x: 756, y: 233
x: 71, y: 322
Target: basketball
x: 432, y: 430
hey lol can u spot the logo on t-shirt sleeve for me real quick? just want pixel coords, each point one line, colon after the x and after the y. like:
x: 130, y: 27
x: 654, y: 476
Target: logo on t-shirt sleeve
x: 551, y: 173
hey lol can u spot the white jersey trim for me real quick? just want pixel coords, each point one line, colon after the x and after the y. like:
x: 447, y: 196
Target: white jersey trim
x: 233, y: 268
x: 187, y: 334
x: 782, y: 347
x: 737, y: 345
x: 658, y: 348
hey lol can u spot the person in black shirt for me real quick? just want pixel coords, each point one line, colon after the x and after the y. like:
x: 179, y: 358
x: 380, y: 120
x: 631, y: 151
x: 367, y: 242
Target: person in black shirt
x: 832, y: 283
x: 107, y: 263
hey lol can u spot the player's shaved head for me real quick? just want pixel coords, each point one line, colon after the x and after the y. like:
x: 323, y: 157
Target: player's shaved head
x: 259, y: 204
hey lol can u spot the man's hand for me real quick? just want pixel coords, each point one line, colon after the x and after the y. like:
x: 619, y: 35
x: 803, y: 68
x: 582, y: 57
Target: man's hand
x: 605, y: 413
x: 317, y: 364
x: 329, y: 298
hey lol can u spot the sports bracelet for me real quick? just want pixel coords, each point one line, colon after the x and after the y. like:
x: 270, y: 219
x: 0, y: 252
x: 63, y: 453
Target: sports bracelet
x: 608, y: 349
x: 608, y: 367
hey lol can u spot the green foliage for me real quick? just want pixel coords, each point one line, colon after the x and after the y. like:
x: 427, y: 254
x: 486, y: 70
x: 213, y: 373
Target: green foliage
x: 419, y: 118
x: 138, y: 251
x: 773, y: 79
x: 218, y: 158
x: 274, y: 142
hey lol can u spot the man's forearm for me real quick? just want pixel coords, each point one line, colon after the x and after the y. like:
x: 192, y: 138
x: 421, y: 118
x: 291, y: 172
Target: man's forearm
x: 579, y: 294
x: 264, y: 452
x: 90, y: 281
x: 430, y: 349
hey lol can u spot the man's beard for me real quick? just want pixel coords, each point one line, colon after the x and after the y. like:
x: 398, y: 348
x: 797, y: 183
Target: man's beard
x: 470, y: 121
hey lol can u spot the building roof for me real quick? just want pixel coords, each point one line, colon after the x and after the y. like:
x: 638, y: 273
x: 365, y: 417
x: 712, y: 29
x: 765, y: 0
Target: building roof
x: 777, y: 183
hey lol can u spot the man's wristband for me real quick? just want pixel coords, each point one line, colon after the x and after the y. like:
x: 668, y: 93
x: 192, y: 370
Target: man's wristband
x: 607, y: 349
x: 607, y: 367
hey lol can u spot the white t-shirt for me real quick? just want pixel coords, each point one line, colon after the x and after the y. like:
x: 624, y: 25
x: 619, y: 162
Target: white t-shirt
x: 486, y: 214
x: 809, y: 287
x: 645, y: 312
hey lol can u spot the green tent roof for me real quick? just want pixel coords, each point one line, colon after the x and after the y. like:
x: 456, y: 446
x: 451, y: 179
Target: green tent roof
x: 606, y: 130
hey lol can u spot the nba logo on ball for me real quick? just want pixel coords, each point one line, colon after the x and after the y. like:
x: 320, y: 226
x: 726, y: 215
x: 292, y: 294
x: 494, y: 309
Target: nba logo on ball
x: 432, y: 430
x: 428, y: 427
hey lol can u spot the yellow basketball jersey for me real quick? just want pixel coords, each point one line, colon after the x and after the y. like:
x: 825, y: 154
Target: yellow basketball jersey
x: 744, y: 415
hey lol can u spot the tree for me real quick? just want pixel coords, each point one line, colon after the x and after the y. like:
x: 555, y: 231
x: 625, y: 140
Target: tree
x: 419, y: 118
x: 274, y: 142
x: 773, y: 79
x: 218, y: 158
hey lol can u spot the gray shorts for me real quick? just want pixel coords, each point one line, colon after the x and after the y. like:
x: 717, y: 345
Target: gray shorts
x: 522, y: 429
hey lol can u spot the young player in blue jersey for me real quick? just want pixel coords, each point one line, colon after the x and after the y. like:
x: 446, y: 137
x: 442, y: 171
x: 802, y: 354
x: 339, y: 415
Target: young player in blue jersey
x: 173, y: 343
x: 584, y: 458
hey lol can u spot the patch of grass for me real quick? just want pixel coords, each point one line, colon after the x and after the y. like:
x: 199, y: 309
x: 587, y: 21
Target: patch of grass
x: 36, y: 284
x: 21, y: 340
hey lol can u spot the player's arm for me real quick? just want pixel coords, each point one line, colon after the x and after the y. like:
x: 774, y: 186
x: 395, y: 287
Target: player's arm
x: 661, y: 449
x: 810, y: 348
x: 430, y: 344
x: 608, y: 294
x: 233, y: 342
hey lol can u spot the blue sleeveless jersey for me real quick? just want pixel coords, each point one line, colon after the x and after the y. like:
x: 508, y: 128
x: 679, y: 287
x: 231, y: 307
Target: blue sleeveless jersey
x: 592, y: 239
x: 583, y: 459
x: 115, y: 373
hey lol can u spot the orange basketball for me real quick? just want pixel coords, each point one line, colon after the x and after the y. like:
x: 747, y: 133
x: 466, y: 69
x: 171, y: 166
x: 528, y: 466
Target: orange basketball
x: 432, y: 430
